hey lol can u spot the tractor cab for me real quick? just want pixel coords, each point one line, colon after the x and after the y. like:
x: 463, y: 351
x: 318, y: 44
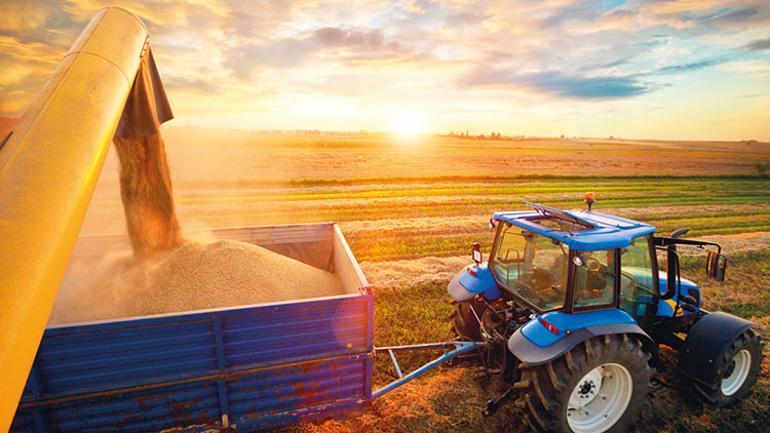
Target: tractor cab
x: 549, y: 259
x: 573, y: 261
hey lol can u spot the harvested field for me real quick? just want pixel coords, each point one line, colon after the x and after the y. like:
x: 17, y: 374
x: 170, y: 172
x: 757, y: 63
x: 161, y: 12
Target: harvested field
x: 411, y: 214
x: 193, y: 277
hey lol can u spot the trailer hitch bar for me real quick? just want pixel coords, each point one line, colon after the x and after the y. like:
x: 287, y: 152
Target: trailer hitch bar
x: 458, y: 348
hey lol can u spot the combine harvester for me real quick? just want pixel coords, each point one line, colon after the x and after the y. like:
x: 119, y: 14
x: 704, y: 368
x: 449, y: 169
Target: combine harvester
x: 569, y: 311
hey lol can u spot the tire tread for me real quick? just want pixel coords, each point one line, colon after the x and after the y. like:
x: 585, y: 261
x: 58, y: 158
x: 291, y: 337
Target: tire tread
x: 548, y: 386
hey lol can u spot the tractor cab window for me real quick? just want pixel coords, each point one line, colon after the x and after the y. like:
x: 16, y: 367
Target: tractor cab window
x: 595, y: 278
x: 531, y: 266
x: 637, y: 281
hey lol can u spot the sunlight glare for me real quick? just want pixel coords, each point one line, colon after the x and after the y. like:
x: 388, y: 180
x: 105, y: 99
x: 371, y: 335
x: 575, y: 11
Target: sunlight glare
x: 408, y: 125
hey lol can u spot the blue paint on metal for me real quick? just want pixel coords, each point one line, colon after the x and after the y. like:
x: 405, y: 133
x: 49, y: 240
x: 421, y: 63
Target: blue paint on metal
x: 687, y: 287
x: 538, y: 334
x: 368, y: 371
x: 481, y: 283
x: 34, y: 391
x: 607, y: 231
x: 263, y: 366
x: 460, y: 347
x: 220, y: 347
x: 39, y: 422
x: 665, y: 309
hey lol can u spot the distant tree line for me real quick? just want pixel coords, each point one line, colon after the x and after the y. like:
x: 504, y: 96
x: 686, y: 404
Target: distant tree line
x: 466, y: 134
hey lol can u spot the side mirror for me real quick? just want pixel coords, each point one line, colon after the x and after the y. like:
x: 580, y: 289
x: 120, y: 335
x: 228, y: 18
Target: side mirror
x: 716, y: 265
x: 679, y: 233
x: 491, y: 224
x: 477, y: 253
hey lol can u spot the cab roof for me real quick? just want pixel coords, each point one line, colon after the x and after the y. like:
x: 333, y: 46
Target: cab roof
x: 579, y: 230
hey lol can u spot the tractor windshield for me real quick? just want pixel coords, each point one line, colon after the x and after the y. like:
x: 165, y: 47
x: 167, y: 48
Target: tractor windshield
x: 531, y: 266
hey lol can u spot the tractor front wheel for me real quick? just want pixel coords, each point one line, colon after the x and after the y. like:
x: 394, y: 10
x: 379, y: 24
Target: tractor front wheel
x: 598, y: 386
x: 736, y: 371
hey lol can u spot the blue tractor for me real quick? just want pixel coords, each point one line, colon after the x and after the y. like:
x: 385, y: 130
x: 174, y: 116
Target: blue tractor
x: 573, y: 307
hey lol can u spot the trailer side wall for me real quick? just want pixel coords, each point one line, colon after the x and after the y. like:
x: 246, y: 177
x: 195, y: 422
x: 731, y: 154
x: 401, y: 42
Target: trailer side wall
x: 251, y: 367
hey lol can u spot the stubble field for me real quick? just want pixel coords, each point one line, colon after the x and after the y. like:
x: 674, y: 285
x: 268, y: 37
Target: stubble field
x: 410, y: 210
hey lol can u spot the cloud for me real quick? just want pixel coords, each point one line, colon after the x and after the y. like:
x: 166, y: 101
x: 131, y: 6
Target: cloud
x: 359, y: 38
x: 24, y: 67
x: 327, y: 44
x: 283, y: 53
x: 191, y: 83
x: 687, y: 67
x: 758, y: 45
x: 17, y: 16
x: 557, y: 84
x: 734, y: 15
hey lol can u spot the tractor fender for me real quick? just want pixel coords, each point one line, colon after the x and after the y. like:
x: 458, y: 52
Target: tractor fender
x: 706, y: 342
x: 474, y: 280
x: 529, y: 352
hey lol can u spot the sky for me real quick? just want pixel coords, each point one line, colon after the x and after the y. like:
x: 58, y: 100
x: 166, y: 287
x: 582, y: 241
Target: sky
x: 694, y: 69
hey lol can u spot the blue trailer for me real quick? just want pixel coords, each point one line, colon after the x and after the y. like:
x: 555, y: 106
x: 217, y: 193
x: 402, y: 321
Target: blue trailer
x: 251, y: 366
x: 246, y: 368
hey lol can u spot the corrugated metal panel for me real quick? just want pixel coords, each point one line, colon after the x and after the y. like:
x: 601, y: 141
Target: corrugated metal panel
x: 280, y: 396
x: 307, y: 330
x: 264, y: 366
x: 138, y: 411
x: 80, y: 359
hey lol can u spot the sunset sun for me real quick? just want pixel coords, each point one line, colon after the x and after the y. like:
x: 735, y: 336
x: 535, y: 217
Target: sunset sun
x: 408, y: 125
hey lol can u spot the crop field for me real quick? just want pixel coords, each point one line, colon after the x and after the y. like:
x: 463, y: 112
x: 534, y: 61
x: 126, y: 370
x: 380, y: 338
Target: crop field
x: 410, y: 211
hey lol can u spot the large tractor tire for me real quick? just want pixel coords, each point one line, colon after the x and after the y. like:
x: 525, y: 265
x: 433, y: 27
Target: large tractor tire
x: 465, y: 326
x: 598, y: 386
x: 737, y: 371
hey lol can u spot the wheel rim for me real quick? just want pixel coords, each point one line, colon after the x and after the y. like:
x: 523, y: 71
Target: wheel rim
x: 600, y: 398
x: 740, y: 371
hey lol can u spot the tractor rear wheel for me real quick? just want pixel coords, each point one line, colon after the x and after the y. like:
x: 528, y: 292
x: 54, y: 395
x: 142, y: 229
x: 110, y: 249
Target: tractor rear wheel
x: 737, y: 371
x: 598, y: 386
x: 465, y: 326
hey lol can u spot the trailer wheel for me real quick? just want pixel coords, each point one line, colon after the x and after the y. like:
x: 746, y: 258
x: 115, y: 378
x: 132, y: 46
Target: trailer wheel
x: 598, y: 386
x: 737, y: 371
x: 464, y: 323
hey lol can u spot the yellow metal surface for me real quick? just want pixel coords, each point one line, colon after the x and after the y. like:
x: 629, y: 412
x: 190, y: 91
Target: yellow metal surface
x: 48, y: 171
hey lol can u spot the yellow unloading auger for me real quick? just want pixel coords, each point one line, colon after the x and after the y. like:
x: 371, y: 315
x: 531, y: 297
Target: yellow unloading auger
x: 49, y: 165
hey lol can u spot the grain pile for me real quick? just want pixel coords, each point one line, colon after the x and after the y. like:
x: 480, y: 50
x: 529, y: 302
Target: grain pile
x: 192, y: 277
x: 227, y: 273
